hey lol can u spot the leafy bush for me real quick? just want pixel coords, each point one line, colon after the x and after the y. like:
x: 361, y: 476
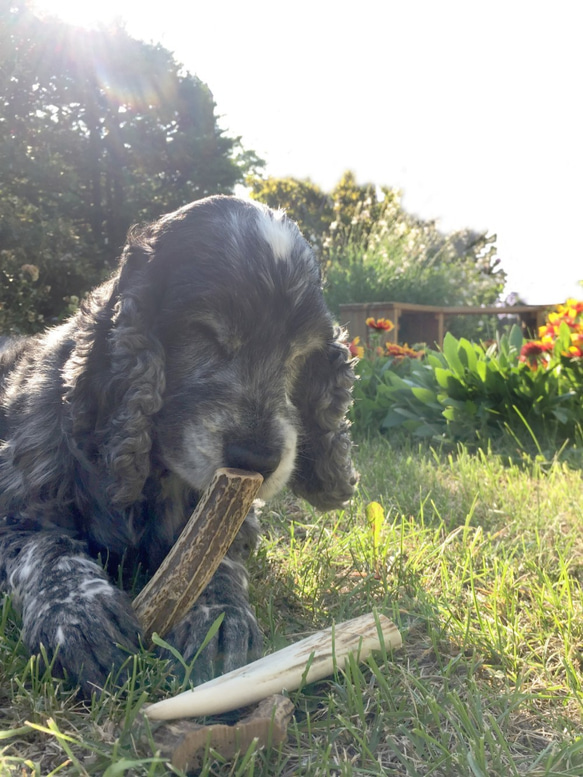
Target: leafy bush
x: 386, y: 254
x: 45, y: 266
x: 478, y: 393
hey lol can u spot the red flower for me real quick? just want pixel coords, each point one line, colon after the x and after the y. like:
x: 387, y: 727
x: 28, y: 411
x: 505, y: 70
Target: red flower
x: 533, y: 351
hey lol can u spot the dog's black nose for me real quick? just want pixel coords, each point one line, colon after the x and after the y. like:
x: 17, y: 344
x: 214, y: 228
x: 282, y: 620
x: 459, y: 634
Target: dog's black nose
x: 252, y: 456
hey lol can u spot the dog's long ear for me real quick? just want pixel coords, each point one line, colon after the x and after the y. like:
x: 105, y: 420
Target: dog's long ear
x: 324, y: 474
x: 117, y: 377
x: 137, y: 376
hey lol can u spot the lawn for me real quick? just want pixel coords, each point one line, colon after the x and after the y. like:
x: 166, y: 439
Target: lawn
x: 479, y: 562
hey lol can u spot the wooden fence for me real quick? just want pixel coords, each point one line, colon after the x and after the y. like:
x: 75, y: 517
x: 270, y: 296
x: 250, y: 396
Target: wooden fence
x: 428, y: 323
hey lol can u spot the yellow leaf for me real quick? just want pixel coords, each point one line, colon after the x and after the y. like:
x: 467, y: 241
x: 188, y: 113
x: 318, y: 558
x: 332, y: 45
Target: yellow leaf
x: 375, y: 516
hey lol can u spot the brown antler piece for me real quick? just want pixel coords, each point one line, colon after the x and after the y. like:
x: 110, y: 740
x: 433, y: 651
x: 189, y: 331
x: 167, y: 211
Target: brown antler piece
x: 198, y: 551
x: 185, y: 742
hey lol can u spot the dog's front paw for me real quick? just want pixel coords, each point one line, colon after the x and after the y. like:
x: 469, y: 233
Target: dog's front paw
x: 70, y: 610
x: 237, y: 641
x: 86, y: 637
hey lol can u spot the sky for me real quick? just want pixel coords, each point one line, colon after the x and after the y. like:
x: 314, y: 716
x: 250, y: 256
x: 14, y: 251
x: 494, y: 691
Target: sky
x: 472, y: 109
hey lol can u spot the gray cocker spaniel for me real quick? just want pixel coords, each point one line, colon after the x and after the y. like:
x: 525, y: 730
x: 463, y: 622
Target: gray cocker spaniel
x: 211, y: 346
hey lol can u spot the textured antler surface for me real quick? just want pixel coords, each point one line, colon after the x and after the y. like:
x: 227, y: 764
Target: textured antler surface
x: 199, y: 550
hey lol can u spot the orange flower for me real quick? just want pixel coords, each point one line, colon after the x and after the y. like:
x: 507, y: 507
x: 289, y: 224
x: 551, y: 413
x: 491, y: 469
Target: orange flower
x: 380, y: 324
x: 571, y: 308
x: 356, y: 349
x: 401, y: 351
x: 574, y: 352
x: 569, y: 313
x: 546, y: 333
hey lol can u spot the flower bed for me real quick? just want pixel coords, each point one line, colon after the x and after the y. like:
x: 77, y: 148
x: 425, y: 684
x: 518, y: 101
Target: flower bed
x: 527, y: 392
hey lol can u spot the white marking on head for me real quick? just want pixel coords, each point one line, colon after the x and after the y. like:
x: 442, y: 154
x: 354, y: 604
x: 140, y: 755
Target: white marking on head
x: 279, y: 232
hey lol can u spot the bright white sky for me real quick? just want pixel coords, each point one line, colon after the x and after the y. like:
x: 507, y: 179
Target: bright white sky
x: 472, y: 108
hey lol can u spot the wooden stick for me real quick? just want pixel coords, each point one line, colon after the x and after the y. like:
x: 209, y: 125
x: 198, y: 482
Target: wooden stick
x: 198, y: 551
x: 306, y: 661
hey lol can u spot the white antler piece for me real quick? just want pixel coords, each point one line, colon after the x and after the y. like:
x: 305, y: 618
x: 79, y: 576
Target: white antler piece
x: 306, y: 661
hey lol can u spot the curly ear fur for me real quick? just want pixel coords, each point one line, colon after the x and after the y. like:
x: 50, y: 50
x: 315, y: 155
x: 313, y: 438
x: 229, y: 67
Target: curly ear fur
x: 324, y: 474
x: 137, y: 381
x: 116, y: 377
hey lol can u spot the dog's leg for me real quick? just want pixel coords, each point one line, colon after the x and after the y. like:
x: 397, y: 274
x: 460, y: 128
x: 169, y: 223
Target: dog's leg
x: 68, y: 605
x: 239, y: 639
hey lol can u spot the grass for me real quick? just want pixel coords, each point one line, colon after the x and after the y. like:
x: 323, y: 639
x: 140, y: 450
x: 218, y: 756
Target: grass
x: 480, y: 564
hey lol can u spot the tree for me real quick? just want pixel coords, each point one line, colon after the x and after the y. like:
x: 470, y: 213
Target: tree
x: 358, y: 209
x: 97, y: 131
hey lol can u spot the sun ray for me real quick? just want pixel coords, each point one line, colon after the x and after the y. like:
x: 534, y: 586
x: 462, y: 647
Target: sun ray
x: 87, y: 15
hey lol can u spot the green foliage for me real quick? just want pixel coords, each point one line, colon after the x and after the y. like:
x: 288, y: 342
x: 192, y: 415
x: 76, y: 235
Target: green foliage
x: 97, y: 131
x: 387, y: 254
x: 475, y: 394
x: 374, y: 392
x: 43, y: 271
x: 357, y: 209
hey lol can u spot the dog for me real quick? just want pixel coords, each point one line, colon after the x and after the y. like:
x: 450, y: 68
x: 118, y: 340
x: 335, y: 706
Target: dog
x: 211, y: 346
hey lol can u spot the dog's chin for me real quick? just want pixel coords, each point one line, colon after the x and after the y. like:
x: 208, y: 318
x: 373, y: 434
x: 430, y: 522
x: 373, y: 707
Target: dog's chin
x: 274, y: 483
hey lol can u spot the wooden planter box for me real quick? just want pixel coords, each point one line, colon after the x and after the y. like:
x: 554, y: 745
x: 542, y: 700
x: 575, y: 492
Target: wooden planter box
x: 428, y: 323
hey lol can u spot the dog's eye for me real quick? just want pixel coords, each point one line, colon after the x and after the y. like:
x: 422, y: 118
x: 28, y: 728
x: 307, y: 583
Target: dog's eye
x: 202, y: 329
x: 219, y: 341
x: 303, y: 350
x: 294, y: 365
x: 295, y: 360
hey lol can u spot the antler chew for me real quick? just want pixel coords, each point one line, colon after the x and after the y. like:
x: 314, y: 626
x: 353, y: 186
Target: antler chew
x: 185, y: 742
x: 198, y: 551
x: 306, y: 661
